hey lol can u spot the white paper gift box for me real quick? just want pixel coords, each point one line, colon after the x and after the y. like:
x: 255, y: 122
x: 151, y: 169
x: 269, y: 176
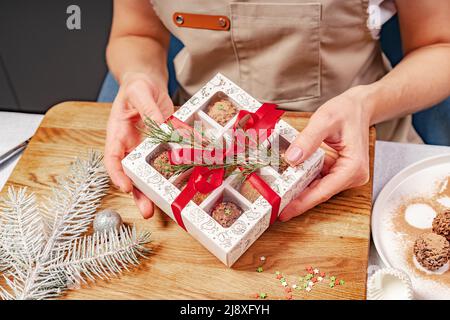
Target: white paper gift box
x: 227, y: 244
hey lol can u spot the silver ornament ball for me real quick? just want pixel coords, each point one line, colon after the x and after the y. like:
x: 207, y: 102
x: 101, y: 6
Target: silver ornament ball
x: 107, y: 220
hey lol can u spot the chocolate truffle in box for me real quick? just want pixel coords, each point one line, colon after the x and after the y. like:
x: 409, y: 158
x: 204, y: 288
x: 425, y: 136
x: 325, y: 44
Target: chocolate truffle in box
x: 222, y: 111
x: 162, y: 164
x: 224, y: 221
x: 198, y: 197
x: 226, y: 213
x: 282, y: 164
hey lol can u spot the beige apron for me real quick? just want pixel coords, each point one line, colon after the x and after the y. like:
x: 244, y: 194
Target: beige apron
x: 298, y: 54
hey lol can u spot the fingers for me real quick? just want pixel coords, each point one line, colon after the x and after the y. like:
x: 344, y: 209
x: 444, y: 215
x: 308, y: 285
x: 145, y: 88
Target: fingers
x: 114, y: 154
x: 140, y: 95
x: 308, y: 141
x: 143, y: 203
x: 319, y: 191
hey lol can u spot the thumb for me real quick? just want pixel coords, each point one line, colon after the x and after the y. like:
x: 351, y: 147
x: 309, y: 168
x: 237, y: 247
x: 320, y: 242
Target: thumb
x: 141, y: 96
x: 307, y: 141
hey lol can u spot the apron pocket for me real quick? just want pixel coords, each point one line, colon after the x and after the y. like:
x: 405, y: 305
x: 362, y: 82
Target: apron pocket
x: 278, y: 49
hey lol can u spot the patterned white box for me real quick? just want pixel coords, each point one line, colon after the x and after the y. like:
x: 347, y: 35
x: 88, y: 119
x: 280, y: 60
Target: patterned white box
x: 227, y: 244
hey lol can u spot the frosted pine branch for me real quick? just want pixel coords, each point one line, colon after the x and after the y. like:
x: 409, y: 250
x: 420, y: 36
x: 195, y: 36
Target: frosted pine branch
x: 102, y: 255
x: 21, y: 228
x: 74, y: 203
x: 42, y: 255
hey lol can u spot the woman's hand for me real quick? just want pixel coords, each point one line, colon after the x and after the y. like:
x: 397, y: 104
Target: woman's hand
x: 139, y: 96
x: 342, y: 123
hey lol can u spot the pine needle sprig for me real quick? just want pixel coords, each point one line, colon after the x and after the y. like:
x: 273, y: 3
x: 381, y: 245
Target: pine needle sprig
x: 169, y: 134
x: 157, y: 135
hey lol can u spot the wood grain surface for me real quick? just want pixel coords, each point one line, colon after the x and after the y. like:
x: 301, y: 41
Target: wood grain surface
x: 334, y: 236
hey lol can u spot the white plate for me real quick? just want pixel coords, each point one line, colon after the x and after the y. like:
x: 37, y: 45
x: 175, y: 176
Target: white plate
x: 419, y: 178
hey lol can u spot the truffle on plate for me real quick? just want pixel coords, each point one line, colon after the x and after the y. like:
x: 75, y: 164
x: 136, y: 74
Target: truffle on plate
x: 162, y: 164
x: 226, y: 213
x: 431, y: 251
x: 441, y: 224
x: 222, y: 111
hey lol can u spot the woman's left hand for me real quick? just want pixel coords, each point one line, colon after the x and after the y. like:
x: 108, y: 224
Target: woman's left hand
x: 342, y: 123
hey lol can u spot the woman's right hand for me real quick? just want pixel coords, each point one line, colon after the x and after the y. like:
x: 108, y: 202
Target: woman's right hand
x: 139, y: 96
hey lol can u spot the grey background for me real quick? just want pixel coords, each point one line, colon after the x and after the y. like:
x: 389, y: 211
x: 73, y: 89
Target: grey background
x: 42, y: 62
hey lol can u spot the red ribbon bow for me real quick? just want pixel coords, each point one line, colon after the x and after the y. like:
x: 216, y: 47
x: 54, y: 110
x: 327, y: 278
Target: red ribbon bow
x: 205, y: 180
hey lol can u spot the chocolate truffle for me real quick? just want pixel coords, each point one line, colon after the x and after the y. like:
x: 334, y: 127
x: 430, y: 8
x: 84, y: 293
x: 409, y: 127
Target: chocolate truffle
x: 226, y: 213
x: 282, y: 164
x: 162, y: 164
x: 441, y: 224
x: 431, y: 251
x: 198, y: 197
x: 248, y: 191
x: 222, y: 111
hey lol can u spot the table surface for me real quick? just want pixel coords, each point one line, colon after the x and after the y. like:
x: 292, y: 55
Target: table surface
x: 333, y: 237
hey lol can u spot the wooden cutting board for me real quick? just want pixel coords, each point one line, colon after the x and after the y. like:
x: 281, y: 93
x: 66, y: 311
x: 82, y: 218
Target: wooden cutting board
x: 334, y: 236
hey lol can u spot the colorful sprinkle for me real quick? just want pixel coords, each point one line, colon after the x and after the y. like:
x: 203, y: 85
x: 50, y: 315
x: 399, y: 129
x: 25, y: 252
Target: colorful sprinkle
x: 263, y: 295
x: 341, y: 282
x: 294, y: 286
x: 320, y: 279
x: 288, y: 290
x: 308, y: 289
x: 289, y: 296
x: 316, y: 271
x: 259, y: 269
x: 279, y: 276
x: 284, y: 283
x: 262, y: 258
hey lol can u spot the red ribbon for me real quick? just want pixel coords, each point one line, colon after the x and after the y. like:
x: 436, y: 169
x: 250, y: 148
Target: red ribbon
x: 205, y: 180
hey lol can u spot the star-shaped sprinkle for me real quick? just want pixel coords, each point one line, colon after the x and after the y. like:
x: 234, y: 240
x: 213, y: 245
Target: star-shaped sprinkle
x: 316, y: 271
x: 289, y: 296
x: 263, y: 295
x: 308, y: 289
x: 288, y: 290
x: 310, y: 284
x: 262, y: 258
x: 320, y: 279
x: 341, y: 282
x: 333, y: 278
x: 284, y: 283
x: 259, y: 269
x: 294, y: 286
